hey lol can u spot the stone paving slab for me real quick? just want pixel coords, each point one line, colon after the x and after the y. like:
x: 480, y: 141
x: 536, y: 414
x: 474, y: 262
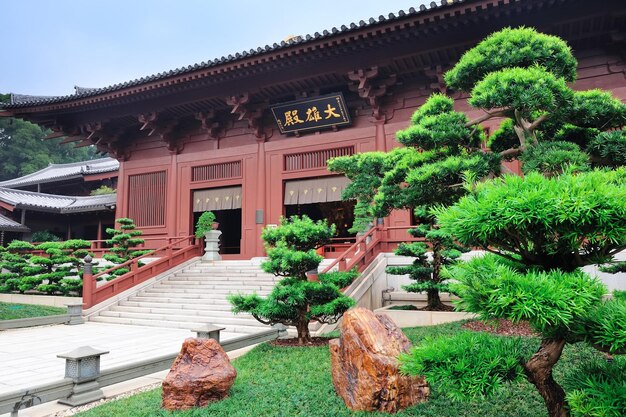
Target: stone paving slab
x: 28, y: 356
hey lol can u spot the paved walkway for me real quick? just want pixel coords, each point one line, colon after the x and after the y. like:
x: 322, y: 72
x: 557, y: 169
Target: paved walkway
x: 28, y: 356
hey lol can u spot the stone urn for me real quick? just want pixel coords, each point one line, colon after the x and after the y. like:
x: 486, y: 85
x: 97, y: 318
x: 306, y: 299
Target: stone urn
x: 212, y: 245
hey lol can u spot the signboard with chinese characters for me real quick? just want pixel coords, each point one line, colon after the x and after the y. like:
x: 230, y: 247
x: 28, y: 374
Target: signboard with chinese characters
x: 312, y: 114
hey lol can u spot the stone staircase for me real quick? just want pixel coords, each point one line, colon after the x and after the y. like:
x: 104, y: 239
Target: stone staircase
x: 193, y: 297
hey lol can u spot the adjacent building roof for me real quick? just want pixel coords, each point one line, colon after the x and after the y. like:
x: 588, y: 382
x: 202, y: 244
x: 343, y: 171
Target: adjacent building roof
x: 56, y: 203
x: 8, y: 225
x: 60, y: 172
x: 18, y: 100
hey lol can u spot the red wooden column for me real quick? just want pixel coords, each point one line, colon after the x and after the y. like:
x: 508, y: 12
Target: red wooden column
x: 260, y: 197
x: 171, y: 199
x: 381, y: 139
x: 122, y: 194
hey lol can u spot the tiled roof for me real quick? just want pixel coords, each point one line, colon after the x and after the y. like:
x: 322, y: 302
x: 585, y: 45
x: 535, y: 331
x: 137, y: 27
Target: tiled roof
x: 296, y: 40
x: 8, y: 225
x: 59, y: 172
x: 56, y: 203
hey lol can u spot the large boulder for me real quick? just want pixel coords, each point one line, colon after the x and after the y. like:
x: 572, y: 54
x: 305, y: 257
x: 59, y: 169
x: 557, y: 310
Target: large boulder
x: 201, y: 374
x: 365, y: 366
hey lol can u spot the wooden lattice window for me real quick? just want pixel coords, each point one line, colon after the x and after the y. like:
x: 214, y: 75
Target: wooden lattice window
x: 146, y: 198
x: 216, y: 171
x: 315, y: 159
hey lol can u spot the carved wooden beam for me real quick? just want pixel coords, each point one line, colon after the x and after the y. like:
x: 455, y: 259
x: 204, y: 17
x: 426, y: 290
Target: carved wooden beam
x: 148, y: 121
x: 210, y: 124
x: 253, y: 114
x: 437, y: 73
x: 371, y: 86
x: 238, y: 104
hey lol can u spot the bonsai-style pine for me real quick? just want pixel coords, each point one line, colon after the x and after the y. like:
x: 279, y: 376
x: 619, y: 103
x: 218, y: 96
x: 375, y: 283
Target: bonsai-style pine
x: 541, y: 228
x: 124, y: 240
x: 295, y: 301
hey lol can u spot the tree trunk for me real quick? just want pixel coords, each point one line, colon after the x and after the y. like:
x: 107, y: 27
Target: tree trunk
x: 538, y: 370
x: 434, y: 302
x: 304, y: 336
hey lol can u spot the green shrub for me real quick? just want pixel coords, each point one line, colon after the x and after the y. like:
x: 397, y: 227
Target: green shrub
x: 204, y: 224
x: 340, y: 279
x: 466, y: 364
x: 44, y: 236
x: 552, y: 158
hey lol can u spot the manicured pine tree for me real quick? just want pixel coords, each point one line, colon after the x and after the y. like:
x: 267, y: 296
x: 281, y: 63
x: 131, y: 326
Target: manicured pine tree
x: 540, y: 228
x: 124, y: 240
x: 295, y: 301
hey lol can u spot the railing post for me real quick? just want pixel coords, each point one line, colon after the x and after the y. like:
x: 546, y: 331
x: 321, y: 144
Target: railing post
x: 88, y: 283
x: 82, y: 366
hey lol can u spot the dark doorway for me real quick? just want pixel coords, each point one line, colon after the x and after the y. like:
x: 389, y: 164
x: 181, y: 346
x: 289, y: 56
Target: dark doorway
x: 339, y: 213
x: 230, y: 226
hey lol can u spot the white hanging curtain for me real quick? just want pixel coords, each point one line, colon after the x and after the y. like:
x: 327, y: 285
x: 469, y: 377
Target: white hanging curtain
x: 228, y: 198
x: 319, y: 190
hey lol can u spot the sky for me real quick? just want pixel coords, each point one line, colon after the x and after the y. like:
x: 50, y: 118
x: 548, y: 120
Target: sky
x: 49, y: 46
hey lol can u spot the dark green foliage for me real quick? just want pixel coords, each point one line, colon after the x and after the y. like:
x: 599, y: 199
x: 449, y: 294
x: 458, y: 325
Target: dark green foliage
x: 23, y: 149
x: 614, y: 268
x: 44, y: 236
x: 406, y: 307
x: 299, y: 233
x: 619, y: 295
x: 103, y: 190
x: 340, y: 279
x: 552, y: 158
x: 204, y: 224
x: 504, y: 138
x: 19, y: 246
x: 508, y: 48
x: 467, y: 364
x: 609, y: 148
x: 553, y: 302
x: 604, y: 326
x: 525, y: 89
x: 600, y: 388
x: 595, y: 109
x: 124, y: 240
x: 520, y: 215
x: 365, y: 172
x: 295, y: 301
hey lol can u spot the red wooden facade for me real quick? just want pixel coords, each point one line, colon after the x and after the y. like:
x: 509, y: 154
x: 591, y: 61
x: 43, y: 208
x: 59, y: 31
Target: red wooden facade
x: 209, y: 126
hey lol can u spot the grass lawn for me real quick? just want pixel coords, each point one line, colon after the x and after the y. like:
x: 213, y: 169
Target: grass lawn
x: 280, y: 381
x: 10, y: 311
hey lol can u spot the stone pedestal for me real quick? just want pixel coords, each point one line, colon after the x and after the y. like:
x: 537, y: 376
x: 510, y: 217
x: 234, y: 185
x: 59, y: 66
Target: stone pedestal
x: 212, y: 248
x: 82, y: 366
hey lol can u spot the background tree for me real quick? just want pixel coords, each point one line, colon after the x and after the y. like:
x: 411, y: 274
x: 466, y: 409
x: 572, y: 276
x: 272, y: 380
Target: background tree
x: 545, y: 226
x: 23, y: 149
x: 295, y: 301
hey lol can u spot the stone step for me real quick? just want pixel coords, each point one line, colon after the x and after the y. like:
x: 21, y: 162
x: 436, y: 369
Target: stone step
x: 176, y: 325
x: 206, y: 289
x: 180, y: 300
x: 159, y: 303
x: 204, y: 274
x: 216, y: 283
x: 244, y: 321
x: 166, y: 309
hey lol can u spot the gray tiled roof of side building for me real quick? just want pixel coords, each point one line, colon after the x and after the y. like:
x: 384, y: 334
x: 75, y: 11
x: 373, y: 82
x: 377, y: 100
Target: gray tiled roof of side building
x: 8, y: 225
x: 56, y: 203
x: 24, y: 101
x: 59, y: 172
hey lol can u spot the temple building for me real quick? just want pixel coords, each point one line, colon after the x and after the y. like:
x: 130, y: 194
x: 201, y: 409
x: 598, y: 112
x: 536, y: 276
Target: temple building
x: 248, y: 135
x: 57, y: 199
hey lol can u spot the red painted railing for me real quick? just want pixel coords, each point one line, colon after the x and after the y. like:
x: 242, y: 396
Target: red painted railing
x: 376, y: 240
x: 175, y: 253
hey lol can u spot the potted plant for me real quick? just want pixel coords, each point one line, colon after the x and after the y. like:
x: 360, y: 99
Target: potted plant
x: 205, y: 224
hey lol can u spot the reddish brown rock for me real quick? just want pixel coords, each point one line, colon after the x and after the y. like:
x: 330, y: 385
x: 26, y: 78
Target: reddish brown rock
x: 201, y: 374
x: 364, y: 365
